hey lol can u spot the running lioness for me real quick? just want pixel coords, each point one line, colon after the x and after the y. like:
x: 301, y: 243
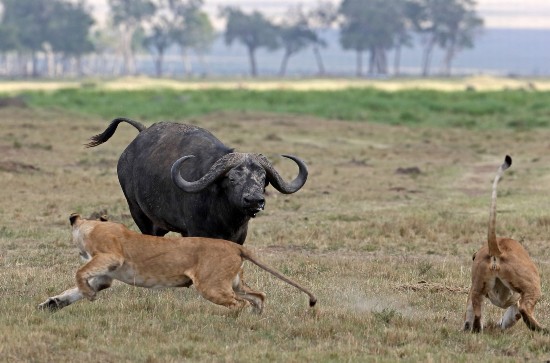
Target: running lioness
x: 112, y: 251
x: 503, y: 271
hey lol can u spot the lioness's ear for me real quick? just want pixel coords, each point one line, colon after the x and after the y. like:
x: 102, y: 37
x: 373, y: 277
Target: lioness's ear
x: 103, y: 218
x: 73, y: 218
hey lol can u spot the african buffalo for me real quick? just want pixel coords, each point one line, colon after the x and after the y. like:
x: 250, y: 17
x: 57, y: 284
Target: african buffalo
x: 181, y: 178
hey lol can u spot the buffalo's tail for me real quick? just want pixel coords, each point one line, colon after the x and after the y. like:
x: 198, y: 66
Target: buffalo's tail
x: 247, y: 255
x: 106, y: 135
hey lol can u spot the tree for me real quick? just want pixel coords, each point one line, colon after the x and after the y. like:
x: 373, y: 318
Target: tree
x: 373, y: 26
x: 254, y: 31
x: 26, y: 21
x: 319, y: 18
x: 403, y: 36
x: 128, y: 15
x: 69, y: 30
x: 295, y: 35
x: 31, y: 28
x: 8, y: 43
x: 451, y: 24
x: 105, y: 42
x: 192, y: 29
x: 158, y: 39
x: 8, y: 37
x: 462, y: 25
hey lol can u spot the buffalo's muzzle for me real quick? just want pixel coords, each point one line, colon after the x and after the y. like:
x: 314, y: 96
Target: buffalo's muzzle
x: 253, y: 205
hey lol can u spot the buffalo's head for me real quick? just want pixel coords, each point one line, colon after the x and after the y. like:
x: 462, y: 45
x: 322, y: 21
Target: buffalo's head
x: 244, y: 177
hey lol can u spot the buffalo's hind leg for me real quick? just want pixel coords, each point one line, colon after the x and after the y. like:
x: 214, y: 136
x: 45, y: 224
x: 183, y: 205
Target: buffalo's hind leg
x: 145, y: 225
x: 143, y: 222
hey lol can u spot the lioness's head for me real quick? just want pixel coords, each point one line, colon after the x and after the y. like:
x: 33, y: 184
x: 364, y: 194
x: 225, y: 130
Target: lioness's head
x: 76, y: 217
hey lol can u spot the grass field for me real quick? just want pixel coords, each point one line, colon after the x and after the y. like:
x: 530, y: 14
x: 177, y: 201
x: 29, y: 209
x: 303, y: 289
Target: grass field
x: 383, y: 231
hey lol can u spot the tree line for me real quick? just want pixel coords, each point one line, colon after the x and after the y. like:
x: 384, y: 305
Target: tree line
x: 50, y: 38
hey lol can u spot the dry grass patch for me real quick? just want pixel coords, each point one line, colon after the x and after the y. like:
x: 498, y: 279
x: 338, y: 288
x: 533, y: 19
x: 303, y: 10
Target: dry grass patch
x: 474, y: 83
x: 388, y: 254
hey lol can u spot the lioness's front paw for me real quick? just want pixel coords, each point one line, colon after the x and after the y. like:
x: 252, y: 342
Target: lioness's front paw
x: 52, y: 304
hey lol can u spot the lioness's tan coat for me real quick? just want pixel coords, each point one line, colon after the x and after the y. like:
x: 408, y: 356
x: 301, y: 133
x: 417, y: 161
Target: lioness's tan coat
x: 503, y: 272
x: 213, y: 266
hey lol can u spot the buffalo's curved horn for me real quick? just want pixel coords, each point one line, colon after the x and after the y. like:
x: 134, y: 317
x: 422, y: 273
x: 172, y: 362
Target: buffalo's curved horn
x: 277, y: 181
x: 220, y: 167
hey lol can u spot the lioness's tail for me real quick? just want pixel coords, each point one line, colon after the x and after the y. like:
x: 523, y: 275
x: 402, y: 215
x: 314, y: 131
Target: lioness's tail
x: 247, y: 255
x: 106, y: 135
x: 492, y: 237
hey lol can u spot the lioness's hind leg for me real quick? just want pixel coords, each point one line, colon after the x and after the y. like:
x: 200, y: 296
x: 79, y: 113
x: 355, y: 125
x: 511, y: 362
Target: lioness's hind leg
x: 473, y: 313
x: 256, y: 298
x: 527, y: 308
x: 221, y: 295
x: 510, y: 317
x: 98, y: 267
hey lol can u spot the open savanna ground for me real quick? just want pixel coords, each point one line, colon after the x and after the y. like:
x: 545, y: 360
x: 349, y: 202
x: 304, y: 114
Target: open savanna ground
x: 383, y: 232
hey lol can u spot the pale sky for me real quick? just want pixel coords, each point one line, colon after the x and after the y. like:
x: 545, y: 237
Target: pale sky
x: 497, y: 13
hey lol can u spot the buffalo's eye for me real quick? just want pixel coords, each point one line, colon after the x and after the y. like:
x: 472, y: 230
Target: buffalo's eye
x: 235, y: 176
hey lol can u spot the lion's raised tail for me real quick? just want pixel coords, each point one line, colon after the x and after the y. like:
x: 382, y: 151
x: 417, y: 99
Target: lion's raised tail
x: 106, y: 135
x: 492, y: 237
x: 247, y: 255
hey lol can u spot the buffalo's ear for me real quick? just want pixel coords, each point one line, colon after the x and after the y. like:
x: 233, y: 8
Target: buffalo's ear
x: 73, y: 218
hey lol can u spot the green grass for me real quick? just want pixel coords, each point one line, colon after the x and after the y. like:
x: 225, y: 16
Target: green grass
x: 474, y: 110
